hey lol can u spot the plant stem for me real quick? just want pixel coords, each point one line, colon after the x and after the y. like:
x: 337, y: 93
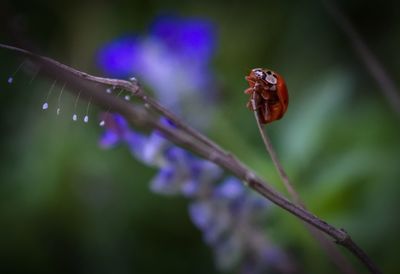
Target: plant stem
x: 139, y: 116
x: 334, y: 254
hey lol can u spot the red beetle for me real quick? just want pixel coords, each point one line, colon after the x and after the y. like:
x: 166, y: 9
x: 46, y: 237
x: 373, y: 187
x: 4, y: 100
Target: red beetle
x: 269, y: 92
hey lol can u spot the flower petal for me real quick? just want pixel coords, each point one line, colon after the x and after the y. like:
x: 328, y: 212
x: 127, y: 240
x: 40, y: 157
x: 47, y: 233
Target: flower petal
x: 230, y: 189
x: 120, y: 57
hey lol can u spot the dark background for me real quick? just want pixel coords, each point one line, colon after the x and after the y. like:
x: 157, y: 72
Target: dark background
x: 67, y: 206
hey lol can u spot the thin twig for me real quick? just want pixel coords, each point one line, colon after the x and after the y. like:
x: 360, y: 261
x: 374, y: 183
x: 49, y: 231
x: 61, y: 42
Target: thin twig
x: 334, y: 254
x: 132, y: 87
x: 268, y: 145
x: 179, y: 123
x: 78, y: 80
x: 375, y: 68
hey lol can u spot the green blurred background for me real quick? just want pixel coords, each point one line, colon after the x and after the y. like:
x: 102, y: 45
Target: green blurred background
x: 67, y: 206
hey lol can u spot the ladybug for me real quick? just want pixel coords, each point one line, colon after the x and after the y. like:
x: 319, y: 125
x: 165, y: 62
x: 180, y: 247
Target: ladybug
x: 269, y: 92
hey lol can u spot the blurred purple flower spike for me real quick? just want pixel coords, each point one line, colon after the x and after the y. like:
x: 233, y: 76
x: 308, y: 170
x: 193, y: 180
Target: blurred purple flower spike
x: 173, y: 60
x: 230, y: 189
x: 192, y: 39
x: 204, y: 174
x: 118, y: 130
x: 108, y: 139
x: 173, y: 173
x: 227, y: 213
x: 232, y: 228
x: 116, y: 127
x: 187, y: 175
x: 119, y: 58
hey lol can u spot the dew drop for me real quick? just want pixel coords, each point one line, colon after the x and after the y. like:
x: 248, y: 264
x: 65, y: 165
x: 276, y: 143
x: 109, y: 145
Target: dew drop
x: 74, y: 117
x: 108, y: 90
x: 102, y: 123
x: 45, y: 106
x: 86, y: 119
x: 10, y: 80
x: 58, y: 111
x: 127, y: 97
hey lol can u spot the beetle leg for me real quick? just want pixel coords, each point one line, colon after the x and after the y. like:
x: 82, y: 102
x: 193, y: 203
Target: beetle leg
x: 260, y: 106
x: 249, y: 105
x: 249, y: 91
x: 249, y: 79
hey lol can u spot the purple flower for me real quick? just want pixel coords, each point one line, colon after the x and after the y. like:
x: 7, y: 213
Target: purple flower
x: 230, y: 189
x: 204, y: 174
x: 120, y: 57
x: 180, y: 172
x: 118, y: 130
x: 193, y: 39
x: 230, y: 225
x: 173, y: 174
x: 201, y: 214
x: 166, y: 181
x: 190, y: 176
x: 173, y: 60
x: 153, y: 149
x: 109, y: 139
x: 225, y: 211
